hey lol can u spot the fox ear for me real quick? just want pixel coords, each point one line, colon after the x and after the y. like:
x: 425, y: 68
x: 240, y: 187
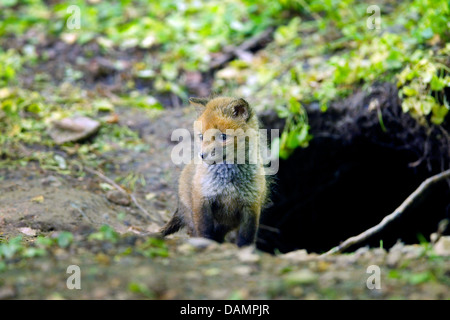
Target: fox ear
x: 240, y: 108
x: 198, y: 102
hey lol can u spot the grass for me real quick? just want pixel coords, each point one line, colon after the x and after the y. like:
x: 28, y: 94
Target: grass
x: 177, y: 37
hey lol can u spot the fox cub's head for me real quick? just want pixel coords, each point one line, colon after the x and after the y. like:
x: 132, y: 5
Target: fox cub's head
x: 226, y: 130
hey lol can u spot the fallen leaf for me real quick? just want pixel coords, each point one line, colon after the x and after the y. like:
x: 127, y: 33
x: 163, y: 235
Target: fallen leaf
x: 38, y: 199
x: 150, y: 196
x: 73, y: 129
x: 69, y: 38
x: 114, y: 118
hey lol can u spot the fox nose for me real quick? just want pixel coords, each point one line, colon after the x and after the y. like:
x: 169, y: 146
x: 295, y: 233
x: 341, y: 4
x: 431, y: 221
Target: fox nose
x: 201, y: 155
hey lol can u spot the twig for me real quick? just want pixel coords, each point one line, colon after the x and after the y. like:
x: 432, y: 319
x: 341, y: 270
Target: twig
x: 245, y: 46
x: 394, y: 215
x: 133, y: 198
x: 74, y: 205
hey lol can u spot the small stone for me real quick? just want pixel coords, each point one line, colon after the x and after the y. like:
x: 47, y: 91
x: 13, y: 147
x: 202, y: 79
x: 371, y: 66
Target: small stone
x: 379, y: 252
x: 361, y: 251
x: 304, y: 276
x: 248, y: 254
x: 118, y: 197
x: 413, y: 251
x: 393, y: 258
x: 242, y: 270
x: 442, y: 246
x: 185, y: 249
x: 297, y: 255
x: 211, y: 272
x: 200, y: 243
x: 51, y: 181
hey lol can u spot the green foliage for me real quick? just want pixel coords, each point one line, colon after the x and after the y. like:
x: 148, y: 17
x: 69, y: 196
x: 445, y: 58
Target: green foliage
x: 142, y: 289
x: 64, y: 239
x: 296, y: 128
x: 415, y: 278
x: 154, y: 247
x: 409, y: 48
x: 15, y: 247
x: 44, y: 242
x: 289, y: 33
x: 26, y: 115
x: 422, y: 84
x: 11, y: 248
x: 105, y: 233
x: 325, y: 55
x: 10, y: 64
x: 185, y: 32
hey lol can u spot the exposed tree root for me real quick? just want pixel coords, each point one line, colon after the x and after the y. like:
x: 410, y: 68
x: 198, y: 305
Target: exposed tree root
x: 386, y: 220
x: 156, y: 219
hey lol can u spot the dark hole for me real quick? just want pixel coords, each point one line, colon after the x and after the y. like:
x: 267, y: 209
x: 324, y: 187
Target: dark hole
x: 353, y: 174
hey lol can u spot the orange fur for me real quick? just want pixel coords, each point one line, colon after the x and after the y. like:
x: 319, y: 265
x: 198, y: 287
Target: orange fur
x: 217, y: 198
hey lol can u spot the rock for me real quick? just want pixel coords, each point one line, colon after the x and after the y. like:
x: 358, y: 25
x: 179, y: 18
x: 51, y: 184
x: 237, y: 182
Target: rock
x: 242, y: 270
x: 304, y: 276
x: 200, y: 243
x: 361, y: 251
x: 73, y: 129
x: 413, y: 251
x: 247, y: 254
x: 442, y: 246
x: 379, y: 252
x: 51, y: 181
x: 196, y: 245
x: 395, y: 254
x: 297, y: 255
x: 118, y: 197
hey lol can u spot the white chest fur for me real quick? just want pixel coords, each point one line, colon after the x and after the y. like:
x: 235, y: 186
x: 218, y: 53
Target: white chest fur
x: 231, y: 180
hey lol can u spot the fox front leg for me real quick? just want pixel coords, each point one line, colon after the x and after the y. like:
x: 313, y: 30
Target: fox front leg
x: 204, y: 221
x: 248, y: 227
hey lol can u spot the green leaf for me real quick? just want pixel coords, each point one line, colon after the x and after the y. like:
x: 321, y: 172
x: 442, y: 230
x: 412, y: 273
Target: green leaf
x: 34, y: 252
x: 408, y: 91
x: 105, y: 233
x: 427, y: 33
x: 437, y: 84
x: 64, y: 239
x: 9, y: 249
x: 44, y: 241
x: 439, y: 113
x: 418, y: 278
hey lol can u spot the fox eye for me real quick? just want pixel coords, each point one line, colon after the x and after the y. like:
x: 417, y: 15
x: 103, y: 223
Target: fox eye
x: 200, y: 136
x: 223, y: 136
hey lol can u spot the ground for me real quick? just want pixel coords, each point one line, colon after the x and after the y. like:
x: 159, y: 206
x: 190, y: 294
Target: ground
x: 179, y: 267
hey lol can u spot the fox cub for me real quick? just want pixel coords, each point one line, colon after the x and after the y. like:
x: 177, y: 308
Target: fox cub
x: 218, y: 192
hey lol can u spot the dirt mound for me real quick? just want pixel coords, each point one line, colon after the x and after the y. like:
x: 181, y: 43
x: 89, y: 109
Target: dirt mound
x: 48, y: 203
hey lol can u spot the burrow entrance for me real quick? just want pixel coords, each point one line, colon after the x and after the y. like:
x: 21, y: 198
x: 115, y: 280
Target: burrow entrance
x: 353, y: 174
